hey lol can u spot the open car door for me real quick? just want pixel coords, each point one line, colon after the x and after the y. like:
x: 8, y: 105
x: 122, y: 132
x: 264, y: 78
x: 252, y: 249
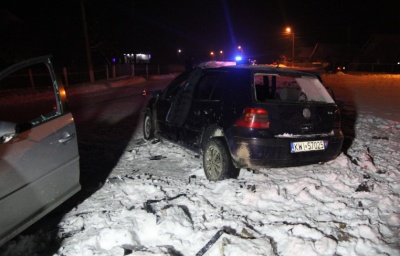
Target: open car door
x: 39, y: 164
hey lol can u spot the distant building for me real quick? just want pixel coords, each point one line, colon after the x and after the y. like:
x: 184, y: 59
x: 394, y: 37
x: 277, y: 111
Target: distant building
x: 135, y: 58
x: 326, y: 56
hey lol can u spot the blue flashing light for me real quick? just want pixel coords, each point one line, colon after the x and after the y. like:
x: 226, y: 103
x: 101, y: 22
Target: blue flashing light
x: 238, y: 58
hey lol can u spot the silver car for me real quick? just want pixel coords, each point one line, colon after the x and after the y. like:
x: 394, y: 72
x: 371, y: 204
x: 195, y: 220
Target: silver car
x: 39, y: 164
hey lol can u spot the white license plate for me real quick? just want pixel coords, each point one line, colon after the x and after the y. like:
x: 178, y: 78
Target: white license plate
x: 304, y: 146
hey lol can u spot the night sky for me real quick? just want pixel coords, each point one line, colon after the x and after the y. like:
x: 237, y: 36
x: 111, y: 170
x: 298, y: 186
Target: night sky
x: 161, y: 27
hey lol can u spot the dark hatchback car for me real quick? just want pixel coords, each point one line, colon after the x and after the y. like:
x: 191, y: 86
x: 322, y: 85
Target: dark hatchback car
x: 247, y: 117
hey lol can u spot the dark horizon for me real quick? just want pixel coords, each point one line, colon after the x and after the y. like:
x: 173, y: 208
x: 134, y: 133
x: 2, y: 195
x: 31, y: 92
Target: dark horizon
x: 196, y: 27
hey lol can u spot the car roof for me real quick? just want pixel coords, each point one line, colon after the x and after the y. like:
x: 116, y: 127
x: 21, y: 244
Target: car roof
x: 267, y: 69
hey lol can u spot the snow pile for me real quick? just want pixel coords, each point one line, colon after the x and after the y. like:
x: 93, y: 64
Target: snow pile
x: 349, y: 206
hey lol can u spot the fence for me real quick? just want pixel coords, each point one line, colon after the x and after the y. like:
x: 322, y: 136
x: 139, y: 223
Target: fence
x: 80, y: 74
x: 354, y: 67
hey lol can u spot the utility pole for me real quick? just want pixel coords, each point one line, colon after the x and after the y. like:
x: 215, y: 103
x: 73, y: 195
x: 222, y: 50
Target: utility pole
x: 85, y: 33
x: 289, y: 31
x: 292, y: 49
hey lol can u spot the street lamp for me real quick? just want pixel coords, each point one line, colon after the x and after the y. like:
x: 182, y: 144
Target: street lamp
x: 222, y: 54
x: 239, y: 57
x: 179, y: 53
x: 289, y: 31
x: 240, y: 50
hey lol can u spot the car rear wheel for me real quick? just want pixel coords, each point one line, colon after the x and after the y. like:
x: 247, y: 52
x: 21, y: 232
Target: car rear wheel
x: 148, y: 127
x: 217, y: 162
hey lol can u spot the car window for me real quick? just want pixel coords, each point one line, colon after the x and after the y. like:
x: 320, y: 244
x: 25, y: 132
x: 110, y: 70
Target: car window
x: 175, y: 85
x: 275, y: 87
x: 218, y: 89
x: 289, y: 88
x: 238, y: 86
x: 314, y: 89
x: 28, y: 96
x: 265, y: 87
x: 206, y: 86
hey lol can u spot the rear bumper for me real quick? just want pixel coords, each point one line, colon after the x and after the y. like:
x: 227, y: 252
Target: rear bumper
x: 276, y: 152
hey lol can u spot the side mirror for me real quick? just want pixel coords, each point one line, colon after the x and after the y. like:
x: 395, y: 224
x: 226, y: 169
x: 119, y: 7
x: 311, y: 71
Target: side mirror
x: 7, y: 131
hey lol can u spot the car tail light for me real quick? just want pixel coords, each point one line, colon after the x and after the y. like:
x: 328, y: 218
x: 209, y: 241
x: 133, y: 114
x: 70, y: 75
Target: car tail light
x: 254, y: 118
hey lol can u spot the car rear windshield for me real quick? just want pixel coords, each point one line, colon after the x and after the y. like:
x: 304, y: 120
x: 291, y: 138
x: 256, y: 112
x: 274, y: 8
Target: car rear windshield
x: 273, y: 87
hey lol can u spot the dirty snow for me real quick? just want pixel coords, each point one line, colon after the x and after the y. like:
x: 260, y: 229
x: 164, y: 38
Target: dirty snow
x: 348, y: 206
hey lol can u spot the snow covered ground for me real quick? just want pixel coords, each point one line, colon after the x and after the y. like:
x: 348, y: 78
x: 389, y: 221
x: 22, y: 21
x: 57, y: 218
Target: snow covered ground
x: 157, y: 200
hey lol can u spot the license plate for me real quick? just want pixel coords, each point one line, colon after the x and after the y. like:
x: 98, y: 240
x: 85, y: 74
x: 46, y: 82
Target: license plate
x: 305, y: 146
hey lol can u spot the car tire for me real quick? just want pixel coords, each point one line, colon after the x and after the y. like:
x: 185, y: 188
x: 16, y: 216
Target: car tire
x: 148, y: 125
x: 217, y: 162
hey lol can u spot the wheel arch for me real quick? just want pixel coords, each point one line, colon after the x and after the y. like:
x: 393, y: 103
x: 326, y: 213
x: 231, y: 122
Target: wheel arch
x: 211, y: 131
x: 216, y: 131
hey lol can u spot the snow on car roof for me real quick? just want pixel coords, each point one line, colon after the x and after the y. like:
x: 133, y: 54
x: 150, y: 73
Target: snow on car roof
x: 216, y: 64
x: 274, y: 69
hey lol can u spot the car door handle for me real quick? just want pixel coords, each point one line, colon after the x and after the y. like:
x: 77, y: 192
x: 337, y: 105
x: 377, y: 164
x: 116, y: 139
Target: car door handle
x: 66, y: 137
